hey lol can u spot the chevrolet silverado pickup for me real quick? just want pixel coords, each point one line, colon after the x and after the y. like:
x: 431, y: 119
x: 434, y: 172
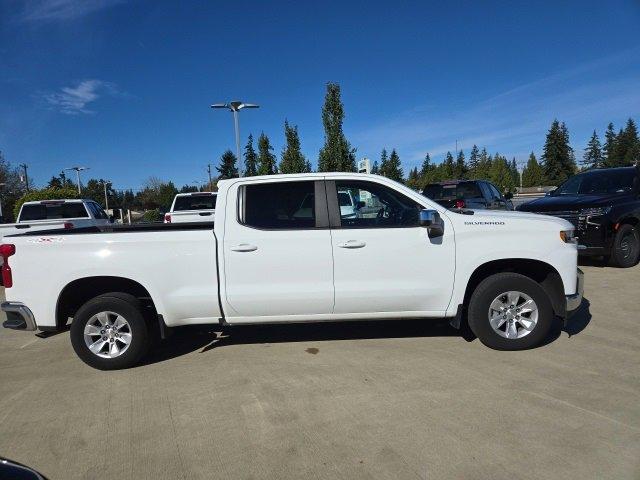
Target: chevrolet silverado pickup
x: 282, y: 250
x: 192, y: 207
x: 50, y: 214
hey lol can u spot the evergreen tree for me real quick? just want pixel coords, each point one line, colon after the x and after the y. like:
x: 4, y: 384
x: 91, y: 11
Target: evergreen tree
x: 250, y: 159
x: 266, y: 159
x: 627, y: 147
x: 532, y: 175
x: 427, y: 171
x: 293, y: 160
x: 460, y: 167
x: 413, y: 181
x: 384, y: 162
x: 592, y: 157
x: 474, y: 161
x: 513, y: 169
x: 501, y: 173
x: 483, y: 170
x: 448, y: 167
x: 227, y: 167
x: 558, y: 161
x: 610, y: 138
x: 375, y: 170
x: 393, y: 167
x: 336, y: 154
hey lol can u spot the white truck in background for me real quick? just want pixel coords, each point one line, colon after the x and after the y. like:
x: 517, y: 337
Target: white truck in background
x: 281, y: 250
x: 52, y: 214
x: 192, y: 207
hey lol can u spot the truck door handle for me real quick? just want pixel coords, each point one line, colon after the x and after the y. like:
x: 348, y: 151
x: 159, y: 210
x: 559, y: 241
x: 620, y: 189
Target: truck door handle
x: 243, y: 247
x: 352, y: 244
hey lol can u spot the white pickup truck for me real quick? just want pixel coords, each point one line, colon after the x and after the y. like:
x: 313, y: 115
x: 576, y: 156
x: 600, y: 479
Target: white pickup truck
x: 268, y: 258
x: 192, y: 207
x: 51, y: 214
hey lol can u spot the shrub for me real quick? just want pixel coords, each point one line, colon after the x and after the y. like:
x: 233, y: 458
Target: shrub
x: 151, y: 216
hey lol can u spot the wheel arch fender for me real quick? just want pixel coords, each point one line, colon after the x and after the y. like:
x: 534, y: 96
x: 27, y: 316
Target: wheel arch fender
x: 80, y: 290
x: 542, y: 272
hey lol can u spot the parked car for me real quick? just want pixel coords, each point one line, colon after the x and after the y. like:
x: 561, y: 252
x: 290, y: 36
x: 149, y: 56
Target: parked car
x: 470, y: 194
x: 192, y: 207
x: 267, y: 260
x: 51, y: 214
x: 604, y: 207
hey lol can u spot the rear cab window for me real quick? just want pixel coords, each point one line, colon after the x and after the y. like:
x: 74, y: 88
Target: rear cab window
x: 195, y: 202
x: 53, y: 211
x: 453, y: 191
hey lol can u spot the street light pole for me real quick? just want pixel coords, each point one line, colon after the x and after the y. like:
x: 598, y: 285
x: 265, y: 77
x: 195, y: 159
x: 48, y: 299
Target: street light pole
x: 78, y: 170
x: 235, y: 108
x: 106, y: 199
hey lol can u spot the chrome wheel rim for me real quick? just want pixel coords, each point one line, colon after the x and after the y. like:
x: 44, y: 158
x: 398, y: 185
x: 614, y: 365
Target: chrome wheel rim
x: 107, y: 334
x: 513, y: 314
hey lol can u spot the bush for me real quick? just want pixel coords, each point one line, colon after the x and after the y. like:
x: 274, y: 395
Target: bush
x: 151, y: 216
x: 53, y: 193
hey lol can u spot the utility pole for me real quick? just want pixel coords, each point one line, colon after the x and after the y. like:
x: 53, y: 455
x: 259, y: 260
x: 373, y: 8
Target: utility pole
x: 210, y: 182
x: 78, y: 170
x: 26, y: 178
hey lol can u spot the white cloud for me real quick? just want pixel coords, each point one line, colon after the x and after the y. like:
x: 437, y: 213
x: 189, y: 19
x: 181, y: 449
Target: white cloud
x: 76, y: 100
x: 41, y: 11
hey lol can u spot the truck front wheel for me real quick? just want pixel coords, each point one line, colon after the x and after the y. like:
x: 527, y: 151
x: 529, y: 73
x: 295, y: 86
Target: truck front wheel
x: 109, y: 332
x: 509, y: 311
x: 626, y: 247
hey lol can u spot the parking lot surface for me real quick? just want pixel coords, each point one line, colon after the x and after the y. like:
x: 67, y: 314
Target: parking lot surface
x: 393, y: 400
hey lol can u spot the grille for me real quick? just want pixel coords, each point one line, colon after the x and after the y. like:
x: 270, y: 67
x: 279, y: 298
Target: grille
x: 572, y: 216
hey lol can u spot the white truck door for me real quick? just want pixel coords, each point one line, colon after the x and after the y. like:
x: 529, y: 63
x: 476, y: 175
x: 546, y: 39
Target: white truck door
x: 383, y: 260
x: 277, y: 250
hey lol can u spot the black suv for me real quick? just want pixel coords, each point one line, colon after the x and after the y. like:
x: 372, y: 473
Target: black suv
x: 471, y: 194
x: 604, y: 206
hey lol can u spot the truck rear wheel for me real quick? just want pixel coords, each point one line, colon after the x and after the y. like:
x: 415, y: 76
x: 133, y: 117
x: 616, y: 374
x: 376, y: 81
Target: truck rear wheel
x: 626, y: 247
x: 109, y: 332
x: 509, y: 311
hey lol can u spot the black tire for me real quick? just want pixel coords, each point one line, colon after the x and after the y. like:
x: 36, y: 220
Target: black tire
x: 490, y: 288
x: 124, y: 305
x: 626, y: 247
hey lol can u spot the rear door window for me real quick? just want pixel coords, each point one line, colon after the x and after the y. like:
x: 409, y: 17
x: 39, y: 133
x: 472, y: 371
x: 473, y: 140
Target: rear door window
x: 53, y: 211
x: 195, y: 202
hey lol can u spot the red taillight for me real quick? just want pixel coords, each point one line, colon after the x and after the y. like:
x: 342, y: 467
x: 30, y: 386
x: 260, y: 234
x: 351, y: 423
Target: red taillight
x: 460, y: 204
x: 167, y: 218
x: 6, y: 250
x: 68, y: 225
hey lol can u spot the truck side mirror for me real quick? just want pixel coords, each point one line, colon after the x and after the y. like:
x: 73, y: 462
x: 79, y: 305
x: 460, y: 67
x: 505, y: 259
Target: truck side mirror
x: 508, y: 196
x: 111, y: 219
x: 433, y: 222
x: 360, y: 205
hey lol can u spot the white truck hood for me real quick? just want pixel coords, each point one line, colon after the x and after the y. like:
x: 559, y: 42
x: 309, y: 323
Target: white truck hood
x: 517, y: 217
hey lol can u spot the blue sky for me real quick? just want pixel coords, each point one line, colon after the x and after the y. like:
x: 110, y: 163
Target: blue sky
x: 123, y: 87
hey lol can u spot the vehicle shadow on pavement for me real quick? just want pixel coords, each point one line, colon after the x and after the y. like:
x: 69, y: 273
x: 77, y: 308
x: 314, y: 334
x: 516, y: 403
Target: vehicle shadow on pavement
x: 189, y: 339
x: 575, y: 324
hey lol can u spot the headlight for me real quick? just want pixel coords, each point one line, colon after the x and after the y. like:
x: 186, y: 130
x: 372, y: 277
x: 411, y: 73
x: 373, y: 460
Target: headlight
x: 568, y: 236
x: 594, y: 212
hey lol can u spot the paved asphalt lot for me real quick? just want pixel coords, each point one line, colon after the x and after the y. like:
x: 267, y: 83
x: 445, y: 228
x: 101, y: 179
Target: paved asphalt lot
x: 397, y: 400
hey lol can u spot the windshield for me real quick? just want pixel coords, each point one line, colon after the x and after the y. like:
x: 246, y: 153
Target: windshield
x: 452, y: 191
x: 598, y: 182
x: 195, y: 202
